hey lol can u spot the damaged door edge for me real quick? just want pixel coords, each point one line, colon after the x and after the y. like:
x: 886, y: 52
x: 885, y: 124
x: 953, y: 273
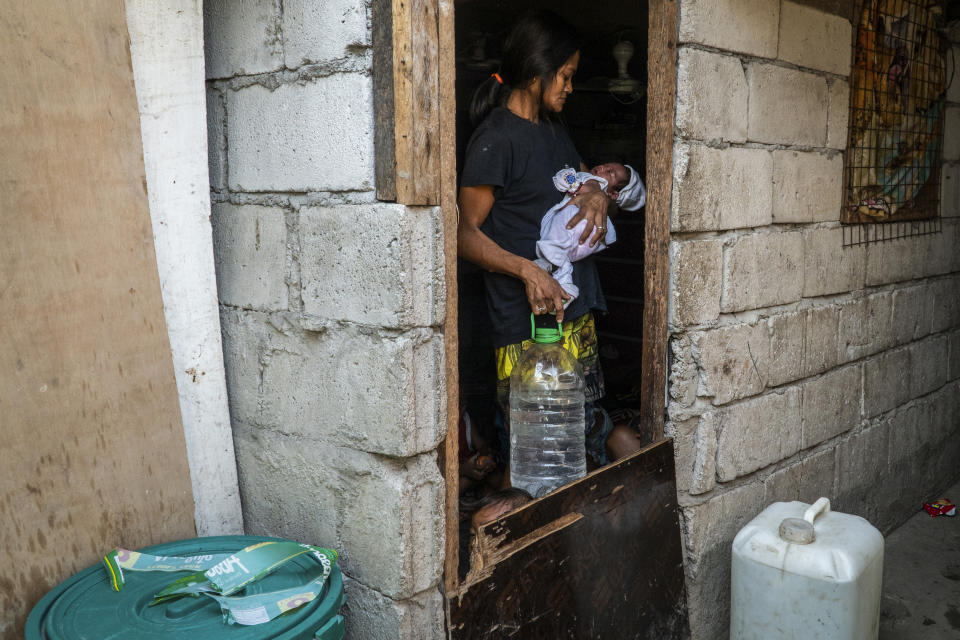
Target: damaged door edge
x: 486, y: 552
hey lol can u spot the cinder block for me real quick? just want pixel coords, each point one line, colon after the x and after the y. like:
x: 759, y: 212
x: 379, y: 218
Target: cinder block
x: 817, y: 476
x: 302, y: 137
x: 744, y: 26
x: 709, y: 531
x: 951, y: 134
x: 761, y: 270
x: 711, y: 96
x: 861, y: 468
x: 684, y: 452
x: 733, y: 361
x: 244, y: 336
x: 912, y: 454
x: 250, y: 247
x: 821, y: 339
x: 696, y: 271
x: 828, y: 266
x: 943, y: 423
x: 954, y: 225
x: 838, y: 115
x: 891, y: 261
x: 950, y: 189
x: 349, y: 500
x: 806, y: 186
x: 757, y: 432
x: 912, y: 310
x: 831, y: 405
x: 865, y: 327
x: 695, y: 449
x: 942, y: 255
x: 886, y: 382
x: 786, y: 106
x: 269, y: 464
x: 933, y: 254
x: 241, y: 37
x: 684, y: 373
x: 815, y: 39
x: 854, y: 337
x: 704, y: 464
x: 386, y: 392
x: 372, y: 264
x: 946, y: 304
x: 371, y: 615
x: 805, y: 480
x: 322, y: 31
x: 908, y: 426
x: 929, y: 361
x: 953, y: 369
x: 400, y: 501
x: 787, y: 339
x: 216, y: 140
x: 721, y: 188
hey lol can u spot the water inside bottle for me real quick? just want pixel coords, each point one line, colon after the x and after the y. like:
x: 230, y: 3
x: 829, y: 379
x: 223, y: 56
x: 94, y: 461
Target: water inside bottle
x: 546, y: 439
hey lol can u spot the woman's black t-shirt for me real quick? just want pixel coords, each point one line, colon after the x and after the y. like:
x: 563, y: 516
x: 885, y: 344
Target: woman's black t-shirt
x: 519, y: 159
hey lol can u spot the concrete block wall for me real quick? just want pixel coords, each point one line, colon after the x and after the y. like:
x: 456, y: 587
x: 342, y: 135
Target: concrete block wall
x: 798, y: 367
x: 331, y: 307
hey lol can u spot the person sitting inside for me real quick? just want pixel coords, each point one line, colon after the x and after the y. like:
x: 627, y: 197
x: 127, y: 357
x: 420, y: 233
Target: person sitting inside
x: 496, y: 505
x: 559, y: 247
x: 477, y: 460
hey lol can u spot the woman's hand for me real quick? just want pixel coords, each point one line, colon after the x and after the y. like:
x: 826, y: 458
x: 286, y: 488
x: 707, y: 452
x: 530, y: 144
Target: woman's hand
x: 592, y: 203
x: 544, y: 293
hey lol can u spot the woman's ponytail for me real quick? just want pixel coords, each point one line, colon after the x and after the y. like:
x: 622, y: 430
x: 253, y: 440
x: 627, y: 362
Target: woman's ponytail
x: 489, y: 94
x: 539, y: 43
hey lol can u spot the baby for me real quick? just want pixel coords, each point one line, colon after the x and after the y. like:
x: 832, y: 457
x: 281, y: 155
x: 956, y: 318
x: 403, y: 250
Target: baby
x: 558, y: 246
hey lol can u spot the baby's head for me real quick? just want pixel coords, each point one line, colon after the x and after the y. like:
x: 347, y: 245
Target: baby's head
x: 616, y: 175
x: 497, y: 504
x: 623, y: 185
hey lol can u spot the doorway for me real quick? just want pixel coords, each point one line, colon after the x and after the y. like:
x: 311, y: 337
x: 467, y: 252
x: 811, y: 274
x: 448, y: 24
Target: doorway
x: 568, y: 564
x: 605, y: 117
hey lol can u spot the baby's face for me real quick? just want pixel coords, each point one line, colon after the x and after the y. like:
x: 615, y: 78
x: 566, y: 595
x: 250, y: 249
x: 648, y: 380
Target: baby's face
x: 616, y: 175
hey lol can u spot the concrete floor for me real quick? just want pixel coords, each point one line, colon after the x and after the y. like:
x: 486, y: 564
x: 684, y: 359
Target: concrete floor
x: 921, y: 578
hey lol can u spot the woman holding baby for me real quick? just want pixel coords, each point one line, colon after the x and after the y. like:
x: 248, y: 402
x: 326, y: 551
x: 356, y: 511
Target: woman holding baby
x: 508, y: 184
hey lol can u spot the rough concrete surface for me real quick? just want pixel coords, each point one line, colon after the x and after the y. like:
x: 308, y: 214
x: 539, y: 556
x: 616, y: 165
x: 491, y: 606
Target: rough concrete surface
x: 921, y: 578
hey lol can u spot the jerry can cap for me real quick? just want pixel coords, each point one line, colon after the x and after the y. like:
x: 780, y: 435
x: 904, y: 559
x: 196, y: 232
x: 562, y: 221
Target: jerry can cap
x: 801, y: 530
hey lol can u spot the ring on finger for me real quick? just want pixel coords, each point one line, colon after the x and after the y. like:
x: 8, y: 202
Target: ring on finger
x: 541, y: 309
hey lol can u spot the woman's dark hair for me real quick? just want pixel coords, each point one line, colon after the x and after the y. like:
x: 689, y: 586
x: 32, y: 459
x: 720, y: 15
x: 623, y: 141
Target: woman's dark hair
x: 537, y: 46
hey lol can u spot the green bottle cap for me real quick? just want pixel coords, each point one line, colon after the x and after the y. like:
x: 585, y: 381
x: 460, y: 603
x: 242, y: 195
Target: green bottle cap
x: 545, y: 335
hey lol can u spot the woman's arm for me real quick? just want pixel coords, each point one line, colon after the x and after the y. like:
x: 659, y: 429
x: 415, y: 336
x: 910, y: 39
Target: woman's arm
x: 592, y: 203
x: 543, y: 292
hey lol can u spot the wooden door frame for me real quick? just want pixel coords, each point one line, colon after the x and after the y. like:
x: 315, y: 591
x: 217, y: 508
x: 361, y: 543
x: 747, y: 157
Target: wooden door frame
x: 414, y: 69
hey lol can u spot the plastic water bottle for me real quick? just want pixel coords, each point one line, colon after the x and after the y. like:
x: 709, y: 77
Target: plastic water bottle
x: 547, y: 447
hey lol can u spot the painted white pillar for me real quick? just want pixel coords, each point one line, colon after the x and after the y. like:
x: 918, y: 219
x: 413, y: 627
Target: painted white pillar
x: 166, y: 45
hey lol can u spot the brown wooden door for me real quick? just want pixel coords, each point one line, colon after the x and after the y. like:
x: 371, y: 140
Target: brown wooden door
x: 599, y: 558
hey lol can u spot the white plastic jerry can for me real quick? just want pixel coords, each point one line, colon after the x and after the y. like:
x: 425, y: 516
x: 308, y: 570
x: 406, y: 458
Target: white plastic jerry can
x: 804, y: 572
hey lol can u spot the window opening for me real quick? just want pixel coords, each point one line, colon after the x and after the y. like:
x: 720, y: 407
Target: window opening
x: 898, y: 89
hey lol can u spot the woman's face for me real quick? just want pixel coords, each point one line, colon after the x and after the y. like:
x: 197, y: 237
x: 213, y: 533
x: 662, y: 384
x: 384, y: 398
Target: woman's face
x: 556, y: 92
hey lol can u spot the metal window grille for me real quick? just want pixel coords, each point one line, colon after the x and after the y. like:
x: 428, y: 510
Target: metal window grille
x: 898, y: 88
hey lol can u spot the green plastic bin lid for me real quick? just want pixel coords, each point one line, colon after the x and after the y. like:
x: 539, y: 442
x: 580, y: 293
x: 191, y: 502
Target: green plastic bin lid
x: 85, y: 607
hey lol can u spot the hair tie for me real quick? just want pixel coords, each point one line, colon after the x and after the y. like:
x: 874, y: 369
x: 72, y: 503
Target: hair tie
x: 497, y: 76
